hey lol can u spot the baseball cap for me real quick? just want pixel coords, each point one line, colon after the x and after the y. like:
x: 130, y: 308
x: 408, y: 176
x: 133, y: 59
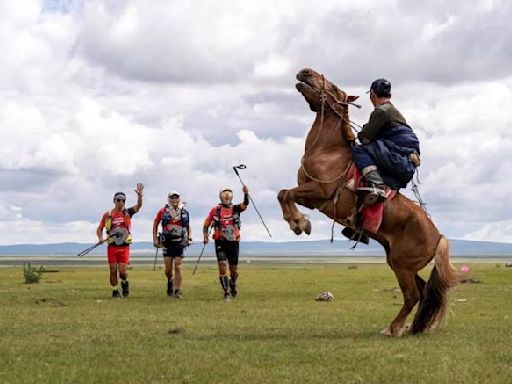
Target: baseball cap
x: 381, y: 87
x: 173, y: 193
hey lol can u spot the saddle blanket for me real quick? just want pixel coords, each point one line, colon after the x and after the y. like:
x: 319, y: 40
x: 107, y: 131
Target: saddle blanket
x: 372, y: 216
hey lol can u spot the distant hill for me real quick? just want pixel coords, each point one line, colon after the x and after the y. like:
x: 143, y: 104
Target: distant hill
x: 264, y: 248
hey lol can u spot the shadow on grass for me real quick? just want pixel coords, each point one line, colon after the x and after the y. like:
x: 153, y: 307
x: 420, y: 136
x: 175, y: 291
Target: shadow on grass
x: 276, y: 335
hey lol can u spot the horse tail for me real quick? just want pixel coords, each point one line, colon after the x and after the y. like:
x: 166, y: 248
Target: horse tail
x: 434, y: 304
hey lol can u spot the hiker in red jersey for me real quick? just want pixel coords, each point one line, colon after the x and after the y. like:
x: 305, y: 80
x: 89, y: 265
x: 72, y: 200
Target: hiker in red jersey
x: 225, y: 218
x: 117, y: 225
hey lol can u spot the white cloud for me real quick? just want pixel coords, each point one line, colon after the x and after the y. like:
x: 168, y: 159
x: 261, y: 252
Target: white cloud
x: 432, y: 30
x: 496, y: 231
x: 100, y: 95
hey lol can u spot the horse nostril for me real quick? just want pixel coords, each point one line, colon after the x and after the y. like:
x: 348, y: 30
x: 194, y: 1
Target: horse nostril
x: 304, y: 74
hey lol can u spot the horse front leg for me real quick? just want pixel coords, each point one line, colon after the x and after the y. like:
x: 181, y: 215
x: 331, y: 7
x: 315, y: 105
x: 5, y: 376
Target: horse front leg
x: 287, y: 198
x: 296, y: 220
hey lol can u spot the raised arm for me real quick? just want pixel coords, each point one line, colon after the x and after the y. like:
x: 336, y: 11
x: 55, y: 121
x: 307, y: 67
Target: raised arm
x: 138, y: 191
x: 245, y: 203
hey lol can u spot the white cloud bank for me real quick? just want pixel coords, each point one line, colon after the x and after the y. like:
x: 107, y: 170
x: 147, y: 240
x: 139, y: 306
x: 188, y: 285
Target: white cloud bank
x: 98, y: 95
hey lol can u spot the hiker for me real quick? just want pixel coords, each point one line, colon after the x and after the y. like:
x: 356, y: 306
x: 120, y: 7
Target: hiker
x: 225, y: 218
x: 175, y: 237
x: 117, y: 223
x: 389, y: 150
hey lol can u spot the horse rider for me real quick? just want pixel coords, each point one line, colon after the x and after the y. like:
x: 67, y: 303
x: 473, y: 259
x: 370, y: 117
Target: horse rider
x: 117, y: 224
x: 389, y: 150
x: 175, y: 237
x: 225, y: 218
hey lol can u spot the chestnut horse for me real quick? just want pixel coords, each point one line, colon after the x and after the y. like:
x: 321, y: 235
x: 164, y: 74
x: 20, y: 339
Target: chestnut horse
x: 408, y: 236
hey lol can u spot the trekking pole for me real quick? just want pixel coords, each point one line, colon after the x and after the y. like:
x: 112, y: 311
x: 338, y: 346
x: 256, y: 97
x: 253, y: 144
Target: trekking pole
x: 201, y: 254
x: 156, y: 253
x: 87, y: 250
x: 156, y: 256
x: 235, y: 169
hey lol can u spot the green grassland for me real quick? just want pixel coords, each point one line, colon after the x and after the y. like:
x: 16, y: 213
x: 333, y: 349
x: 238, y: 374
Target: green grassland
x: 67, y: 328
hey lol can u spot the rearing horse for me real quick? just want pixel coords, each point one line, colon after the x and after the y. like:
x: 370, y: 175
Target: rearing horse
x: 408, y: 236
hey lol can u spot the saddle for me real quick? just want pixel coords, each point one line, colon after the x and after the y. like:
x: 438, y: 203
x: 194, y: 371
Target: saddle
x: 364, y: 218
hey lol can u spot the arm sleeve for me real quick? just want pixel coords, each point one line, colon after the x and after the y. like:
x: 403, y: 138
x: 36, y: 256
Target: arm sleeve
x: 239, y: 208
x: 374, y: 126
x: 130, y: 211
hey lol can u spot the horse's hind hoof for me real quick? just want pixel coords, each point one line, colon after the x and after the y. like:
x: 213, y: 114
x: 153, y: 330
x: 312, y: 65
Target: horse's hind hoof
x: 388, y: 332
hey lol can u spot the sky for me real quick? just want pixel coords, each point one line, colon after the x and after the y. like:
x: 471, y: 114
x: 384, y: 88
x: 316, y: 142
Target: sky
x: 96, y: 96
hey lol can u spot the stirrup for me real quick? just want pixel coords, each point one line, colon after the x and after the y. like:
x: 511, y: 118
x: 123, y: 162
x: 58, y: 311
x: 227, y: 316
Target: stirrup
x: 373, y: 195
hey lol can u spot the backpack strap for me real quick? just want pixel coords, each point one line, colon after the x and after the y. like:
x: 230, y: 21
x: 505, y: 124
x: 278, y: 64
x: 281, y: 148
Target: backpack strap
x: 216, y: 223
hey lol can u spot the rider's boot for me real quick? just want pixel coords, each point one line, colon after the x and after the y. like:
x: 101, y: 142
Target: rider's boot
x: 373, y: 180
x: 356, y: 236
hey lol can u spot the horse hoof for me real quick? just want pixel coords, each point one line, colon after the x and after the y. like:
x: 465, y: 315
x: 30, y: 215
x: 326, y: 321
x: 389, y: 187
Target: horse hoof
x: 307, y: 228
x: 297, y: 231
x: 388, y: 332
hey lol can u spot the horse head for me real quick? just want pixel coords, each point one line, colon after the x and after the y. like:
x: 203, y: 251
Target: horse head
x: 323, y: 96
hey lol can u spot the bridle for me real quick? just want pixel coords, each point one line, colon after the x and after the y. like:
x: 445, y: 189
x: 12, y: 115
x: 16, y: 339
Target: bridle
x: 335, y: 106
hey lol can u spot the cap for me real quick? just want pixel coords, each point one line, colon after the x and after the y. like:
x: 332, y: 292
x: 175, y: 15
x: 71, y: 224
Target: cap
x: 172, y: 193
x: 381, y: 87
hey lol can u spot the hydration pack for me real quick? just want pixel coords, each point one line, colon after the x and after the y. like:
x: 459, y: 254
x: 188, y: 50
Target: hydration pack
x: 226, y: 231
x: 115, y: 238
x: 174, y: 231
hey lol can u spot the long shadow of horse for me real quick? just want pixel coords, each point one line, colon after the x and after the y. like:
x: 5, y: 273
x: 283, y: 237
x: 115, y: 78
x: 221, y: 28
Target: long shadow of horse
x: 408, y: 236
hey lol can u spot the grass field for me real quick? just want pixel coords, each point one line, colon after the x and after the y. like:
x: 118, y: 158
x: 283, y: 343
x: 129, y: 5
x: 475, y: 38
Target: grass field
x: 67, y: 329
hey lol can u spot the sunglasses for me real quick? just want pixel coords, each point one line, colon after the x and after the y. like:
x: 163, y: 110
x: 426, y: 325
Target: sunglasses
x: 120, y: 200
x: 174, y: 197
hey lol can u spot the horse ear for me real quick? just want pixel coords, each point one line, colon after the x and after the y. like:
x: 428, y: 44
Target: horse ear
x: 352, y: 98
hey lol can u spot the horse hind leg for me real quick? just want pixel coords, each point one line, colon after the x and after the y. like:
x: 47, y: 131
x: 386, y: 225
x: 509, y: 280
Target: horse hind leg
x: 411, y: 294
x: 420, y: 283
x: 434, y: 304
